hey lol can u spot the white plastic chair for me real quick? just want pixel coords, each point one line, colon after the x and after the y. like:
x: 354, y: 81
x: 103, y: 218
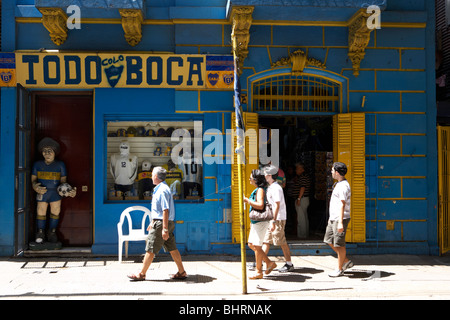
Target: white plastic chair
x: 133, y: 234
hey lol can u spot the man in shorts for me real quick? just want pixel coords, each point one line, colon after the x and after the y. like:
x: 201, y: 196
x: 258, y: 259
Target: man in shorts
x: 276, y: 235
x: 339, y: 218
x: 161, y: 228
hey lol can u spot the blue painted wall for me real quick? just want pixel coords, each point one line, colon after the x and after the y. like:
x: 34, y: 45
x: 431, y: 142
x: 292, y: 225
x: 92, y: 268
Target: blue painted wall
x: 396, y: 77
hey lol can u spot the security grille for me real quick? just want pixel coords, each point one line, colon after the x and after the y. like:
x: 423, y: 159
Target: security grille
x: 303, y: 93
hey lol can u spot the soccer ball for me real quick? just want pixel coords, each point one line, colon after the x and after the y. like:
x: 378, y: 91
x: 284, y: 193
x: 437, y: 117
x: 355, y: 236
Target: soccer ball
x: 64, y: 189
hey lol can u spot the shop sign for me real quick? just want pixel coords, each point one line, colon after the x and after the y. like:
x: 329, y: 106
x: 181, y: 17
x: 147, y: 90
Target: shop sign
x: 220, y: 72
x: 7, y: 69
x: 111, y: 70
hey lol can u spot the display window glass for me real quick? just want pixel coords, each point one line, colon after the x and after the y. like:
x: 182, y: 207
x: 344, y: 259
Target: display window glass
x: 134, y: 148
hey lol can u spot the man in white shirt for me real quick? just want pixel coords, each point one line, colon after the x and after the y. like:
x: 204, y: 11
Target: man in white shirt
x: 276, y: 235
x: 339, y: 218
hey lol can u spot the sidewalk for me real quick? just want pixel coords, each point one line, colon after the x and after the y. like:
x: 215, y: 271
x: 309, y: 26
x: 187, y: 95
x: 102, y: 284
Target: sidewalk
x: 219, y: 277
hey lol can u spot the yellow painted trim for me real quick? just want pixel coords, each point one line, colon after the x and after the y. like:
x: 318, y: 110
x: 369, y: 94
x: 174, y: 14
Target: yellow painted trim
x: 401, y: 177
x: 303, y: 73
x: 344, y: 24
x: 215, y: 178
x: 388, y: 91
x: 398, y: 220
x: 385, y: 69
x: 401, y: 199
x: 397, y: 134
x: 93, y: 166
x: 199, y: 112
x: 223, y: 123
x: 396, y: 112
x: 249, y: 85
x: 402, y: 155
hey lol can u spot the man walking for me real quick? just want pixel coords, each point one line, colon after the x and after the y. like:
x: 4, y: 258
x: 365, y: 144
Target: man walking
x: 339, y: 218
x: 276, y: 235
x: 162, y: 227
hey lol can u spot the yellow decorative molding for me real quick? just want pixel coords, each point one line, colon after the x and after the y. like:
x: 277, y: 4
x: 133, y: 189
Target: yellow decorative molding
x: 55, y: 21
x: 358, y: 39
x: 241, y: 21
x: 299, y: 61
x: 408, y: 25
x: 132, y: 20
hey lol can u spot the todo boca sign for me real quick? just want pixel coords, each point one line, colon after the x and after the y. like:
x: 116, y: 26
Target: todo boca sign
x: 111, y: 70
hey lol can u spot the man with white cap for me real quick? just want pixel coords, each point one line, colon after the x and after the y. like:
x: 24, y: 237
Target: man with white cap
x: 276, y: 234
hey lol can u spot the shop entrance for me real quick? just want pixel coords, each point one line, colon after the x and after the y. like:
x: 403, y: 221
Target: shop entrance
x: 307, y: 140
x: 68, y: 118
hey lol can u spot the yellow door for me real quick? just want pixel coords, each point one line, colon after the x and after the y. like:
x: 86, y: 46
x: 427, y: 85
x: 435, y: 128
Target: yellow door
x: 251, y: 162
x: 349, y: 148
x: 444, y: 188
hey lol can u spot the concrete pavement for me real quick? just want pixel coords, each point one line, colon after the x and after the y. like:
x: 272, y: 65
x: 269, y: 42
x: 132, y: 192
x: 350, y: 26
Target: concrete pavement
x: 219, y: 277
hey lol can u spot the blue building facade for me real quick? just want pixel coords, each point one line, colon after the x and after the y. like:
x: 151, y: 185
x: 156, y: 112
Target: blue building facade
x: 364, y: 78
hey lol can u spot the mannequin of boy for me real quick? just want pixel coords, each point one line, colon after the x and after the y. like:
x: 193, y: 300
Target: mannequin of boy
x: 46, y: 176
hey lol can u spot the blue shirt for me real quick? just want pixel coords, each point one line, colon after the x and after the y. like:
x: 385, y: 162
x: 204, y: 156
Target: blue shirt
x: 49, y: 175
x: 162, y: 200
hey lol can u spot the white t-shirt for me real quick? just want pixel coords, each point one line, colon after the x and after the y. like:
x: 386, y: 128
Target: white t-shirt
x: 341, y: 192
x: 275, y: 194
x: 123, y: 168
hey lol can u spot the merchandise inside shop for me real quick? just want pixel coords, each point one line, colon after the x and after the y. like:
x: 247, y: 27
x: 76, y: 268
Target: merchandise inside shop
x: 134, y: 148
x: 307, y: 140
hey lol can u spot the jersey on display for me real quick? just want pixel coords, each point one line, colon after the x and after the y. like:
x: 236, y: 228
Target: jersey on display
x: 123, y: 169
x: 174, y: 177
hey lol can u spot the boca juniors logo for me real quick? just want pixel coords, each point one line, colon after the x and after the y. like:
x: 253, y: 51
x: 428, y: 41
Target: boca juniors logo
x: 7, y: 69
x: 220, y: 72
x: 228, y: 79
x: 113, y: 69
x: 213, y: 78
x: 6, y: 76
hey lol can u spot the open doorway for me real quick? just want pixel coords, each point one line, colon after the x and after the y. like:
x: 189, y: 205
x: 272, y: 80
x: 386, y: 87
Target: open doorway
x: 68, y: 119
x: 307, y: 140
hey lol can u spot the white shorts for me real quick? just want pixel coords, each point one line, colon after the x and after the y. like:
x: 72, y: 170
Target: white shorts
x: 258, y: 232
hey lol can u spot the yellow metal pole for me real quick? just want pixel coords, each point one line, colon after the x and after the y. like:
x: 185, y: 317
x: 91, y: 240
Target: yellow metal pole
x: 242, y: 225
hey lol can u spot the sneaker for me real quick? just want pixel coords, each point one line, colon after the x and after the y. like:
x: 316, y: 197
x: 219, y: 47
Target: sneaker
x: 286, y: 268
x: 40, y: 236
x: 336, y: 273
x: 347, y: 265
x: 51, y: 236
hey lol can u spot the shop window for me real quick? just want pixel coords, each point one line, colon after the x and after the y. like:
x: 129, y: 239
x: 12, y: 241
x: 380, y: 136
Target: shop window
x: 134, y: 148
x: 303, y: 93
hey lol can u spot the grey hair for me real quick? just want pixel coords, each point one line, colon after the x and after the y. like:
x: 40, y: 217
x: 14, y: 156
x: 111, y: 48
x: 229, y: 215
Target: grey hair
x: 160, y: 173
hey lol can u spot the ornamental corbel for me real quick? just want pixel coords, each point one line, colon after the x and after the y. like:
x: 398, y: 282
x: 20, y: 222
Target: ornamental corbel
x: 241, y: 21
x: 299, y: 61
x: 55, y: 21
x: 132, y: 25
x: 358, y: 38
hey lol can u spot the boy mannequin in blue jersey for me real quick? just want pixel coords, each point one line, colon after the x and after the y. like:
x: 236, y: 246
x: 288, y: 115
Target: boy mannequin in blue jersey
x: 46, y: 176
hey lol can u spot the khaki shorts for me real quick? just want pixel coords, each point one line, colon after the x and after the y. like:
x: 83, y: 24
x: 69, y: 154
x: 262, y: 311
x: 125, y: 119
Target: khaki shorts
x: 155, y: 241
x: 333, y: 237
x: 277, y: 237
